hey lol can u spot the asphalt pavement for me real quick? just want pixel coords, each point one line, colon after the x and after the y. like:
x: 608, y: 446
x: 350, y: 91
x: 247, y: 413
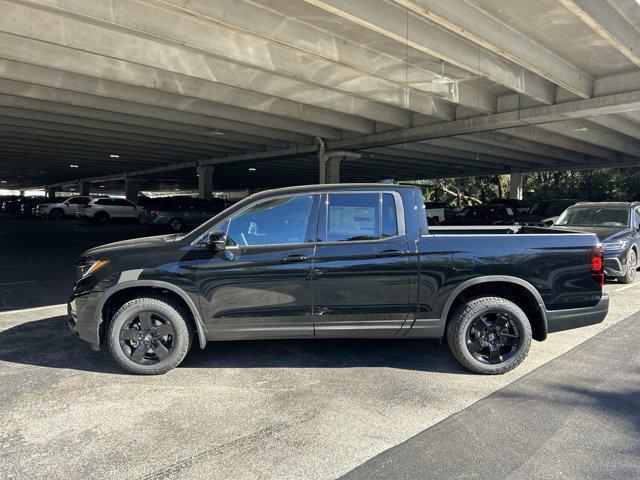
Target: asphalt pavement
x: 293, y: 409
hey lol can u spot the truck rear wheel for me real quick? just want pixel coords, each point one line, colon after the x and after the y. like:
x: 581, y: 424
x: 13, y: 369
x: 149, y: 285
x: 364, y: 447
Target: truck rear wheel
x: 489, y: 335
x: 149, y: 336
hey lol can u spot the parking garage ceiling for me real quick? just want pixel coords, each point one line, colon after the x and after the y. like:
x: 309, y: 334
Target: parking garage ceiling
x: 420, y: 88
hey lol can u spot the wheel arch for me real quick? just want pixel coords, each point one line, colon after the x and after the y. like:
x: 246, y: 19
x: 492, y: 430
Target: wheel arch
x: 521, y: 292
x: 123, y: 292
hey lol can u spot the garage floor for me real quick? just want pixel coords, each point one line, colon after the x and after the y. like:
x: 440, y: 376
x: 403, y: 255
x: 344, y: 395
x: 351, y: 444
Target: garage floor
x: 276, y: 409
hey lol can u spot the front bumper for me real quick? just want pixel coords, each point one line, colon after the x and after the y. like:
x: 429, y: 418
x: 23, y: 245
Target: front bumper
x: 82, y: 318
x: 615, y: 264
x: 559, y: 320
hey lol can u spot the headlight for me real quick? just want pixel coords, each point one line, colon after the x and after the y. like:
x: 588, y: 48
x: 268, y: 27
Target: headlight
x: 615, y: 246
x: 85, y: 269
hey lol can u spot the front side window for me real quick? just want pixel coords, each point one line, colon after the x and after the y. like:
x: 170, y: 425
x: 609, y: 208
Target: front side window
x: 272, y: 222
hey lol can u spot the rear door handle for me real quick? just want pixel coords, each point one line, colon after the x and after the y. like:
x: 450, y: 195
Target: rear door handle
x: 296, y: 257
x: 390, y: 253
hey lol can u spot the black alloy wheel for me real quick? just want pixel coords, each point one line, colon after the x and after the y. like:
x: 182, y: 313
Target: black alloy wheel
x: 147, y: 338
x: 493, y: 337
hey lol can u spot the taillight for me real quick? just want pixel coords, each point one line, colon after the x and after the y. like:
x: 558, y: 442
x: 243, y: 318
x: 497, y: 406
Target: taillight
x: 87, y: 206
x: 596, y: 257
x: 155, y: 213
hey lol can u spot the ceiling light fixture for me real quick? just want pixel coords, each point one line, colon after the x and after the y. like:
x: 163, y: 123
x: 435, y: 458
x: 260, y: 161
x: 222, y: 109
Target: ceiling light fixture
x: 252, y: 169
x: 73, y: 165
x: 581, y: 129
x: 113, y: 155
x: 3, y: 181
x: 102, y: 186
x: 216, y: 132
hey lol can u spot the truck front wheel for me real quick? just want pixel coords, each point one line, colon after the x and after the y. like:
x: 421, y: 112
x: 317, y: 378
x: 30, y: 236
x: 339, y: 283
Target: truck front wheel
x: 149, y: 336
x: 489, y: 335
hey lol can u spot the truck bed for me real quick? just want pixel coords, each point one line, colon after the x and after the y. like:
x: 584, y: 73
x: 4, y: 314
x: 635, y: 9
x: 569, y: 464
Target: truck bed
x: 494, y: 230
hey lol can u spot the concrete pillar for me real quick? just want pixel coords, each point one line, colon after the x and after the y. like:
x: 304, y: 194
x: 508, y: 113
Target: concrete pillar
x: 515, y: 186
x: 205, y: 182
x: 330, y: 169
x: 22, y: 193
x: 83, y: 188
x: 131, y: 190
x: 51, y: 192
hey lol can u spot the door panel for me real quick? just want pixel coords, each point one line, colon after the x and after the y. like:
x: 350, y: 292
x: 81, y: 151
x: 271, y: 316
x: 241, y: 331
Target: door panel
x: 260, y: 285
x: 361, y: 287
x: 253, y: 292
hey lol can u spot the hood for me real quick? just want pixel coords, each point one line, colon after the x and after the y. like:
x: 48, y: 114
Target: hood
x: 603, y: 233
x: 130, y: 245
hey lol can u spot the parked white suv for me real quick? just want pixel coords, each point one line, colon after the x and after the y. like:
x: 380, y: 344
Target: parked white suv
x: 59, y: 210
x: 101, y: 210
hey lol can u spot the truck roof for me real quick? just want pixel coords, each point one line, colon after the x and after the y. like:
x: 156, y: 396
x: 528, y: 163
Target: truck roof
x: 331, y: 186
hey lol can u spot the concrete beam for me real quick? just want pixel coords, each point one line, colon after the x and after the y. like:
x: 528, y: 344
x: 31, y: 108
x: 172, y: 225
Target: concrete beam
x: 588, y: 132
x: 610, y: 104
x: 605, y: 20
x: 39, y: 95
x: 83, y: 188
x: 556, y: 140
x: 101, y: 45
x: 91, y: 90
x: 393, y: 22
x: 471, y: 23
x: 620, y: 124
x: 306, y: 37
x: 139, y: 133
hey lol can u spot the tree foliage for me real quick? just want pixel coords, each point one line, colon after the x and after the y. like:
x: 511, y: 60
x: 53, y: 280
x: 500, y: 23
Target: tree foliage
x: 606, y: 184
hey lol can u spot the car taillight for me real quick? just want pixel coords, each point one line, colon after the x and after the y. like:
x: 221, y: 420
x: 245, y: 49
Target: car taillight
x: 87, y: 206
x: 596, y: 257
x: 155, y: 212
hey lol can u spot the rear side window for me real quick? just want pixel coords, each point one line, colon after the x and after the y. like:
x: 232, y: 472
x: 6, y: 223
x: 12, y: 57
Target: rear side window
x: 353, y: 216
x: 349, y: 217
x: 119, y: 202
x: 104, y: 201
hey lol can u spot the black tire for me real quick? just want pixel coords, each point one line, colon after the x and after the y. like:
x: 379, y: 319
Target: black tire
x: 101, y: 218
x: 177, y: 225
x: 56, y: 214
x: 632, y: 265
x: 128, y: 322
x: 496, y: 349
x: 88, y: 220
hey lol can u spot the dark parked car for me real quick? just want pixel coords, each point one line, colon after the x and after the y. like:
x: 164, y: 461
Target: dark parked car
x: 544, y: 212
x: 179, y: 213
x: 11, y: 204
x: 616, y: 224
x: 326, y: 261
x: 521, y: 206
x: 490, y: 214
x: 29, y: 204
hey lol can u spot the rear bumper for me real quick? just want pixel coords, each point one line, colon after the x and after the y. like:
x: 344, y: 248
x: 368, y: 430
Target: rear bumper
x: 559, y: 320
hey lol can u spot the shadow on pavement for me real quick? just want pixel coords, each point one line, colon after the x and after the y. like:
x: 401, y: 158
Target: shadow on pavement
x: 49, y: 343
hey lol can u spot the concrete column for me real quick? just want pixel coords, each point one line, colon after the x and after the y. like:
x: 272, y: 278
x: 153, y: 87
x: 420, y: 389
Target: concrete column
x: 330, y: 169
x: 51, y: 192
x: 22, y: 193
x: 131, y: 190
x: 515, y: 186
x: 83, y: 188
x: 205, y: 182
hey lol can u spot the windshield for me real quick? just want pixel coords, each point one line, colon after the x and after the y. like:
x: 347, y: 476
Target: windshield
x: 595, y: 217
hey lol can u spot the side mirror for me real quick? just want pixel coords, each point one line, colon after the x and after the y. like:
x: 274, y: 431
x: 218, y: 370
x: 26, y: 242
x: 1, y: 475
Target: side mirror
x: 217, y: 241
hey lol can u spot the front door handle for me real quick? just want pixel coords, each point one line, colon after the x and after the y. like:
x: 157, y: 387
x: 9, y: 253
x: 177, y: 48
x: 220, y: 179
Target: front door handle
x: 296, y: 257
x: 390, y: 253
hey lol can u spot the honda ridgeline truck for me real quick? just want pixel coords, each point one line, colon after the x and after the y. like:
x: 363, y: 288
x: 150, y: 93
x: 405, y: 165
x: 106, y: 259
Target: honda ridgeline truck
x: 328, y: 261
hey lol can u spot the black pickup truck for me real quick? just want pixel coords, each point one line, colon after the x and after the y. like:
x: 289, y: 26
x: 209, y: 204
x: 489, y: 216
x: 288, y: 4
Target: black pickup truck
x: 326, y: 261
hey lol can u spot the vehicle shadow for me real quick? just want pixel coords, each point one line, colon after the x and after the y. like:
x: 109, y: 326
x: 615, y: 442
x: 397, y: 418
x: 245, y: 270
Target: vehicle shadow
x: 49, y: 343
